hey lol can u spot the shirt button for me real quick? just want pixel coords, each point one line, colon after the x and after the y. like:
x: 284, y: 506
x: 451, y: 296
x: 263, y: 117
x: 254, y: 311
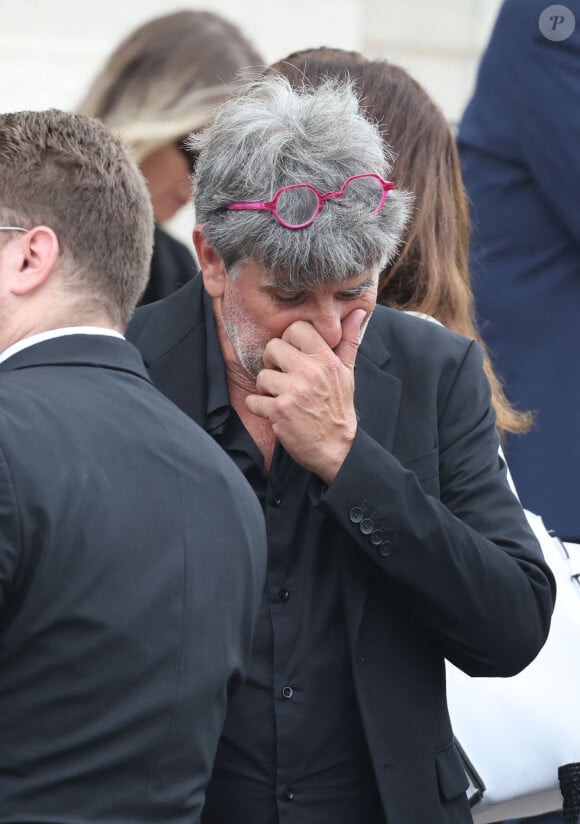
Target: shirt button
x: 366, y: 526
x: 356, y: 514
x: 288, y: 793
x: 287, y: 692
x: 276, y: 499
x: 283, y: 594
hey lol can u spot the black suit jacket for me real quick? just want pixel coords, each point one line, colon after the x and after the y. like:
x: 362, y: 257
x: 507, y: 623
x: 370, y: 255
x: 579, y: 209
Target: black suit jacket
x: 172, y: 265
x: 132, y: 557
x: 439, y: 561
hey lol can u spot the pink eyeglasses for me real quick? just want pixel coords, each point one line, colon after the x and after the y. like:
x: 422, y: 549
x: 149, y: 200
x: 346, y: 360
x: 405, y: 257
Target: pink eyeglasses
x: 297, y: 206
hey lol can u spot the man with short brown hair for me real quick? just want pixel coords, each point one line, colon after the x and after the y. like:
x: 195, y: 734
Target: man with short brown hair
x: 127, y: 600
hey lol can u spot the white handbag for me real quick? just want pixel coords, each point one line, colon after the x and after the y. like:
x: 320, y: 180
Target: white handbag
x: 514, y: 733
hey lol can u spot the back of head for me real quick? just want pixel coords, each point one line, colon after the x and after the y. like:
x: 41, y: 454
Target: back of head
x: 164, y: 80
x: 270, y: 136
x: 68, y: 172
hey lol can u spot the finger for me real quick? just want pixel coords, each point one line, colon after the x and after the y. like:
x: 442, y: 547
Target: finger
x: 260, y: 405
x: 303, y: 336
x: 271, y: 382
x: 281, y: 355
x: 352, y: 326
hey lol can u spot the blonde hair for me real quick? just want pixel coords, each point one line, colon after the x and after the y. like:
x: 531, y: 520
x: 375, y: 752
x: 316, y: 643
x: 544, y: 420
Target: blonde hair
x: 167, y: 77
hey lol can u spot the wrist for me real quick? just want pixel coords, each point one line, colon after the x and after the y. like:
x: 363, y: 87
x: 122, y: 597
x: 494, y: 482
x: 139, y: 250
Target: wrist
x: 335, y: 458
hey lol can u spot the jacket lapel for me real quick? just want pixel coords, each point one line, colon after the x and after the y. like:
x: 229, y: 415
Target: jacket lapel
x: 180, y: 374
x: 377, y: 392
x: 377, y: 397
x: 172, y: 344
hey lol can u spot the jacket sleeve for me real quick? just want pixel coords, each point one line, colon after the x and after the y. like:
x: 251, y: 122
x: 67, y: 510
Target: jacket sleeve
x: 465, y: 565
x: 550, y: 119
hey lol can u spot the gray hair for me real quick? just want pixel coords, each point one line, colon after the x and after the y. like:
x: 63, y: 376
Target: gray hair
x: 270, y: 135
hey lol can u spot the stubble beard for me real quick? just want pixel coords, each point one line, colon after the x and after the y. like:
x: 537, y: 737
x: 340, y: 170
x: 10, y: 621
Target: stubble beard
x: 244, y: 336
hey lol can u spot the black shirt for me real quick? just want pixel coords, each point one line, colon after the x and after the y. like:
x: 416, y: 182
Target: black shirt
x: 293, y: 750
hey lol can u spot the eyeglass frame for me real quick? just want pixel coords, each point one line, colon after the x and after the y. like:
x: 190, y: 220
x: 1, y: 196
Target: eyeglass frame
x: 13, y: 229
x: 270, y: 205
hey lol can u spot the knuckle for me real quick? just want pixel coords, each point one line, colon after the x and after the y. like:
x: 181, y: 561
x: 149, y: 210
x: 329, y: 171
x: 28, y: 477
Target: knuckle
x: 282, y: 406
x: 311, y: 372
x: 260, y: 381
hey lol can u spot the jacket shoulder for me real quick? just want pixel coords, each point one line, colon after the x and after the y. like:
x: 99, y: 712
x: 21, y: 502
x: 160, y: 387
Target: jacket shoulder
x: 158, y: 327
x: 417, y: 337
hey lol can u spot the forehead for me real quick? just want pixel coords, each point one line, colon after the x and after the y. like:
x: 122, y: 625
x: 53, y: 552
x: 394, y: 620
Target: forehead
x: 263, y: 278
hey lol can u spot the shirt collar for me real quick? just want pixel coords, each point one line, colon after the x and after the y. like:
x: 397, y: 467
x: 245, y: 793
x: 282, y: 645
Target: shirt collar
x: 24, y: 343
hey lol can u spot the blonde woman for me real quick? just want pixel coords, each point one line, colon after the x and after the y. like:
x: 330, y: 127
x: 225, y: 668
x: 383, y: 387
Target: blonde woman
x: 160, y: 84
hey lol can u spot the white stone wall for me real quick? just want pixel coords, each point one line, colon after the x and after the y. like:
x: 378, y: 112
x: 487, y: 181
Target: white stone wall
x: 49, y: 49
x: 439, y: 42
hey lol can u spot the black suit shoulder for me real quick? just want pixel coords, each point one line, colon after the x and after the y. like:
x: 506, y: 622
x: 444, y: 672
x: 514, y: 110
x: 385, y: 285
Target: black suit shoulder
x: 416, y: 344
x: 158, y: 327
x: 119, y: 558
x: 413, y: 329
x: 172, y: 266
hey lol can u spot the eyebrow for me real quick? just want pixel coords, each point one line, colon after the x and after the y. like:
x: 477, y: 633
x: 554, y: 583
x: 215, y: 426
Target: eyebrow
x: 279, y: 284
x: 360, y: 286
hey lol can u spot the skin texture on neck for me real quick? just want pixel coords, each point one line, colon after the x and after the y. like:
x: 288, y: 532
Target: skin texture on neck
x: 25, y: 324
x: 39, y: 291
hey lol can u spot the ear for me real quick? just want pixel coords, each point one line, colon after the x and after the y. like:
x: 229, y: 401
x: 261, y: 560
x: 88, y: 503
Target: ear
x: 212, y: 266
x: 35, y: 257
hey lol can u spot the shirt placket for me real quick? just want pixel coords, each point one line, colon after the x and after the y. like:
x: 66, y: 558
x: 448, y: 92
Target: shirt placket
x: 285, y: 609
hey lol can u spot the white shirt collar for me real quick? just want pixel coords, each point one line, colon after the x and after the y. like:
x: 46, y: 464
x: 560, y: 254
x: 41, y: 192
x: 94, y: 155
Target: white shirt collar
x: 57, y: 333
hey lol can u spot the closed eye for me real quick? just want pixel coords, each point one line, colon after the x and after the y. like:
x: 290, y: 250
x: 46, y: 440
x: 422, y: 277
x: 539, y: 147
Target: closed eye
x: 357, y: 290
x: 287, y: 297
x: 352, y: 294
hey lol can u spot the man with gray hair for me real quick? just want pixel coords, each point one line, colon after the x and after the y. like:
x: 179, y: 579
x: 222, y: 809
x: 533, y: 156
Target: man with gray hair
x: 369, y: 438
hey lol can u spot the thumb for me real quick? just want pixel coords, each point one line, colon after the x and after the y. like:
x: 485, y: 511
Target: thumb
x: 351, y: 332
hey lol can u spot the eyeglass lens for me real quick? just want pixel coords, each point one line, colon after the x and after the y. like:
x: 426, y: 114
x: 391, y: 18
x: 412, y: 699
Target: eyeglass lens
x: 298, y: 205
x: 366, y: 191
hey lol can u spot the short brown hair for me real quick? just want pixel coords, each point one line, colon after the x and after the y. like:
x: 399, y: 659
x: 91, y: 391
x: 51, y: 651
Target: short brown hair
x: 70, y: 173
